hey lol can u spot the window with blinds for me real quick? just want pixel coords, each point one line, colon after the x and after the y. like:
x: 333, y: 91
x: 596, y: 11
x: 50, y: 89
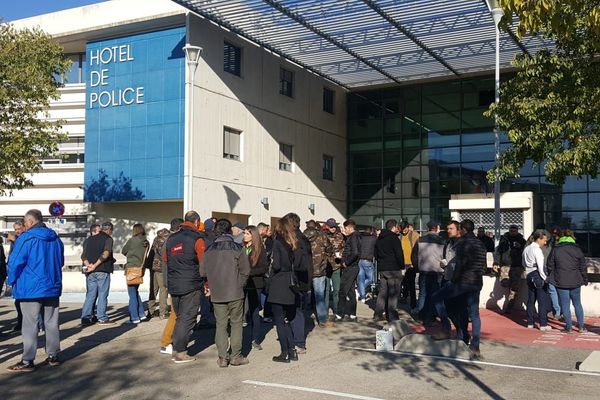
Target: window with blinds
x: 286, y: 152
x: 231, y: 143
x: 232, y: 59
x: 327, y: 167
x: 328, y: 97
x: 286, y: 82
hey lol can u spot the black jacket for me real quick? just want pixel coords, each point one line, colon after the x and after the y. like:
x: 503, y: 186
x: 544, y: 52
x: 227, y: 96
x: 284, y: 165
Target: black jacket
x: 367, y: 247
x: 352, y: 248
x: 281, y: 271
x: 388, y: 252
x: 303, y: 266
x: 567, y: 268
x: 2, y: 265
x: 95, y: 246
x: 515, y: 246
x: 183, y: 267
x: 258, y: 271
x: 488, y: 242
x: 471, y: 261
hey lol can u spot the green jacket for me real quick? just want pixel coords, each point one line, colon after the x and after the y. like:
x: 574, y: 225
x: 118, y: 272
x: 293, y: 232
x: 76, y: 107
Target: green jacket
x: 134, y: 250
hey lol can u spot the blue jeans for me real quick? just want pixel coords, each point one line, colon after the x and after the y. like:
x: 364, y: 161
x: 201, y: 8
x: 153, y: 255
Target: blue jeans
x: 98, y: 285
x: 428, y: 285
x: 320, y: 291
x: 365, y: 277
x: 471, y: 312
x: 554, y: 297
x: 464, y: 298
x: 297, y: 324
x: 253, y: 298
x: 136, y: 306
x: 536, y: 291
x: 567, y: 296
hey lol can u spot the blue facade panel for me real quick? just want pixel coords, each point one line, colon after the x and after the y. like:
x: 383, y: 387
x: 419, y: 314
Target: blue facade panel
x: 134, y: 119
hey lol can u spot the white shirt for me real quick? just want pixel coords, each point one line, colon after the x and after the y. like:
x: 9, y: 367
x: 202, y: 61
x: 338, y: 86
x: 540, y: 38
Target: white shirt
x: 534, y: 258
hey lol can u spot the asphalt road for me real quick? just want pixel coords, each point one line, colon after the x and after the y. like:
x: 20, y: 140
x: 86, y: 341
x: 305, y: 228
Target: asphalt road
x: 123, y: 362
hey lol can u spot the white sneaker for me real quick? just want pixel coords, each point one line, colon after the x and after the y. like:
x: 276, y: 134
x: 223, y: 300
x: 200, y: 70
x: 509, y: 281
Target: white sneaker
x: 338, y: 317
x: 167, y: 349
x: 529, y: 326
x: 364, y: 301
x: 545, y: 328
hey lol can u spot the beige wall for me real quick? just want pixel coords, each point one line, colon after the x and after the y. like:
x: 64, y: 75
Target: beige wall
x: 252, y: 104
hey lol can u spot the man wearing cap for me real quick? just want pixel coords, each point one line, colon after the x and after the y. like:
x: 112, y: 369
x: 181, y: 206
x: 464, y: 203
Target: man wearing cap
x: 408, y: 238
x: 237, y: 230
x: 426, y: 257
x: 99, y: 263
x: 510, y: 252
x: 334, y: 258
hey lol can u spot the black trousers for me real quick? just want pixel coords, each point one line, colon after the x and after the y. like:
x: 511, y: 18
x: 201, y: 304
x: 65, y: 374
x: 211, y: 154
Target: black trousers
x: 408, y: 286
x: 347, y: 302
x: 186, y: 308
x: 283, y: 314
x: 390, y: 285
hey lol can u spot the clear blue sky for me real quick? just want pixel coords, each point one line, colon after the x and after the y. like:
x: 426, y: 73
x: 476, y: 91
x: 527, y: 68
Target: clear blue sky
x: 11, y: 10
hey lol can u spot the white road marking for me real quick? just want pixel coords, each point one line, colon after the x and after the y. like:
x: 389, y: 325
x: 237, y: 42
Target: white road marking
x: 544, y: 341
x: 312, y: 390
x: 463, y: 361
x: 586, y: 338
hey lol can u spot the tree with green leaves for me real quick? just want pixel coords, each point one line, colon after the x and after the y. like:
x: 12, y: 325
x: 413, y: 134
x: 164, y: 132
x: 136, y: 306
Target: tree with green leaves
x: 29, y: 62
x: 550, y: 109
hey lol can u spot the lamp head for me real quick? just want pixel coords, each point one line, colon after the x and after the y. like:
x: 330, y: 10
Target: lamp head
x: 192, y: 53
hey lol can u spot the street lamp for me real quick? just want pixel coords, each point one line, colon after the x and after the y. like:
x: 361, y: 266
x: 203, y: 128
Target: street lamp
x: 192, y: 56
x: 497, y: 14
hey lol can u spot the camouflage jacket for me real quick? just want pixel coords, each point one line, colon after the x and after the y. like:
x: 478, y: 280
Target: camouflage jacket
x: 157, y: 246
x: 336, y: 245
x: 319, y: 246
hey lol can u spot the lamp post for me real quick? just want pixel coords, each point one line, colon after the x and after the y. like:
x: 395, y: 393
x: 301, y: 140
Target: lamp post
x: 497, y: 14
x: 192, y: 56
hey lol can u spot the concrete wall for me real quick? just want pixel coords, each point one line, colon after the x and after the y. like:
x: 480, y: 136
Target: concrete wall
x: 494, y: 296
x: 252, y: 104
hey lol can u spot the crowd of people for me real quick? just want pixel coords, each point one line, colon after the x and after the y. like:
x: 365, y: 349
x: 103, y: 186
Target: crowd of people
x: 235, y: 276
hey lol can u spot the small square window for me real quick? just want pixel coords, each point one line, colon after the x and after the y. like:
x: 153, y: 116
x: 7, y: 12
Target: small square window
x: 286, y: 82
x: 328, y: 98
x: 286, y: 156
x: 231, y: 143
x: 327, y: 167
x: 232, y: 59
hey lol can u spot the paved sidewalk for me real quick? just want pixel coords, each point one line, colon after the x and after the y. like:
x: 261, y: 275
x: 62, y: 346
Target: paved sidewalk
x: 123, y: 362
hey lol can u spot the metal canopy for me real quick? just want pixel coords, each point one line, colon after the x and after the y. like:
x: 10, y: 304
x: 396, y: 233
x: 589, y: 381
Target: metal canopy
x: 358, y: 43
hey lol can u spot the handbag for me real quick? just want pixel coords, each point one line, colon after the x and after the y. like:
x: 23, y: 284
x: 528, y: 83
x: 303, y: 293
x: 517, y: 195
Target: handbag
x: 135, y: 275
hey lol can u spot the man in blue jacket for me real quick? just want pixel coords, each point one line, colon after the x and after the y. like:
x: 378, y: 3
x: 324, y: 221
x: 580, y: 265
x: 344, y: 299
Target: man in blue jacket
x: 35, y: 274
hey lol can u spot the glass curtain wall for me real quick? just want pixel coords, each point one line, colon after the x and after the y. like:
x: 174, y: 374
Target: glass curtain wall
x: 411, y: 148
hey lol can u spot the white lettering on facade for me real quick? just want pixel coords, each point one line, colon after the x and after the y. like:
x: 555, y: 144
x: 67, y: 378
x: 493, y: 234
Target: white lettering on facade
x: 117, y: 96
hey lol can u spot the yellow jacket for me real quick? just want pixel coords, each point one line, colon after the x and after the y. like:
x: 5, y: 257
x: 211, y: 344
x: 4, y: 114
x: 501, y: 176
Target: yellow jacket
x: 408, y: 241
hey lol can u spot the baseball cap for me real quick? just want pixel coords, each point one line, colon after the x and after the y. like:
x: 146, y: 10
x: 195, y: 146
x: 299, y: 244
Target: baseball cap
x: 239, y: 225
x: 331, y: 222
x: 209, y: 224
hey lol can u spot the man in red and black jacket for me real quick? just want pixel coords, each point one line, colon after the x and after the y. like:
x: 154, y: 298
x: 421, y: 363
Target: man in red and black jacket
x: 184, y: 251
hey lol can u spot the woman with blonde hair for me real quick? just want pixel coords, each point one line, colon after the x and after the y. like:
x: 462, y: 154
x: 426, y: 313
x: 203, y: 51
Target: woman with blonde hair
x: 254, y: 249
x: 135, y: 251
x: 282, y: 296
x: 567, y: 271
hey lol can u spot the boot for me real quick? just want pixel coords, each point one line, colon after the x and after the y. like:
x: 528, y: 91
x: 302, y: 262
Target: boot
x: 282, y: 358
